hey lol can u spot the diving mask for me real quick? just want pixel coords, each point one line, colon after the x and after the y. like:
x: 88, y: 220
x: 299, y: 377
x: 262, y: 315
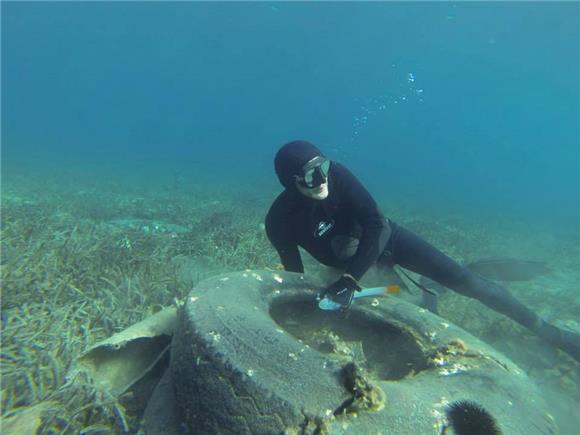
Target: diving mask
x: 315, y: 172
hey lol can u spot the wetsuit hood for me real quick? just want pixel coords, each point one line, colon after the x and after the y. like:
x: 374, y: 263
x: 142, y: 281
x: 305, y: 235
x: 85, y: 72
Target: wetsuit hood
x: 290, y: 160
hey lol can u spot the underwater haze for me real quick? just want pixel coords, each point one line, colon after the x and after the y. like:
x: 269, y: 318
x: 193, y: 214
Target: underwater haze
x: 137, y: 148
x: 470, y: 107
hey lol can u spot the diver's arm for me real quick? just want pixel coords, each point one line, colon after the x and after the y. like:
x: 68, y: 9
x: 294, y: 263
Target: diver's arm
x: 376, y: 229
x: 287, y: 249
x: 290, y: 258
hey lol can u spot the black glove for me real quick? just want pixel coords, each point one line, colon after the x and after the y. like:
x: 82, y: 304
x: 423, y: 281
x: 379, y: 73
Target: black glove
x: 341, y: 291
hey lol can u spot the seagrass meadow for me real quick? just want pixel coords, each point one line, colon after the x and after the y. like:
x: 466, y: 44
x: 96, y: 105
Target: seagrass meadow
x: 74, y: 272
x: 85, y: 258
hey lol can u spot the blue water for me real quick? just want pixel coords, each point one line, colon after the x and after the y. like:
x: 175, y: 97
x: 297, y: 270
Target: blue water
x: 468, y: 106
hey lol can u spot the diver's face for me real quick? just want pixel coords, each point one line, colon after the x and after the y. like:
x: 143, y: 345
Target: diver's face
x: 318, y: 192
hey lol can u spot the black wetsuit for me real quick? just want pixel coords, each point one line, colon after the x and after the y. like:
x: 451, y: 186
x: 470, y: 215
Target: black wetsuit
x: 347, y: 230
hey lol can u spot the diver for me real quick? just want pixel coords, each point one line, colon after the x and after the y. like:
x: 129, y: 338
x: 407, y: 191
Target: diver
x: 326, y: 211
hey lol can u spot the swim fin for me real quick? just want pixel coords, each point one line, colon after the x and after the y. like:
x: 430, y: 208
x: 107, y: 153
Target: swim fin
x: 493, y: 268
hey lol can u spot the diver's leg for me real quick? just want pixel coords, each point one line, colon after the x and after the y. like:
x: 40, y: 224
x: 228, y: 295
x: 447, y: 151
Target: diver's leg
x: 387, y: 262
x: 414, y: 253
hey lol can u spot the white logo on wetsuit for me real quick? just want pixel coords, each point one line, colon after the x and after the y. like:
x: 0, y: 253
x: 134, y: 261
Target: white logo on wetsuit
x: 323, y: 228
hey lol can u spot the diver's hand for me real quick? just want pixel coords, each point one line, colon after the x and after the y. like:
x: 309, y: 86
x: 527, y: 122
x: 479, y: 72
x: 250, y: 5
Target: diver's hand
x: 340, y: 291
